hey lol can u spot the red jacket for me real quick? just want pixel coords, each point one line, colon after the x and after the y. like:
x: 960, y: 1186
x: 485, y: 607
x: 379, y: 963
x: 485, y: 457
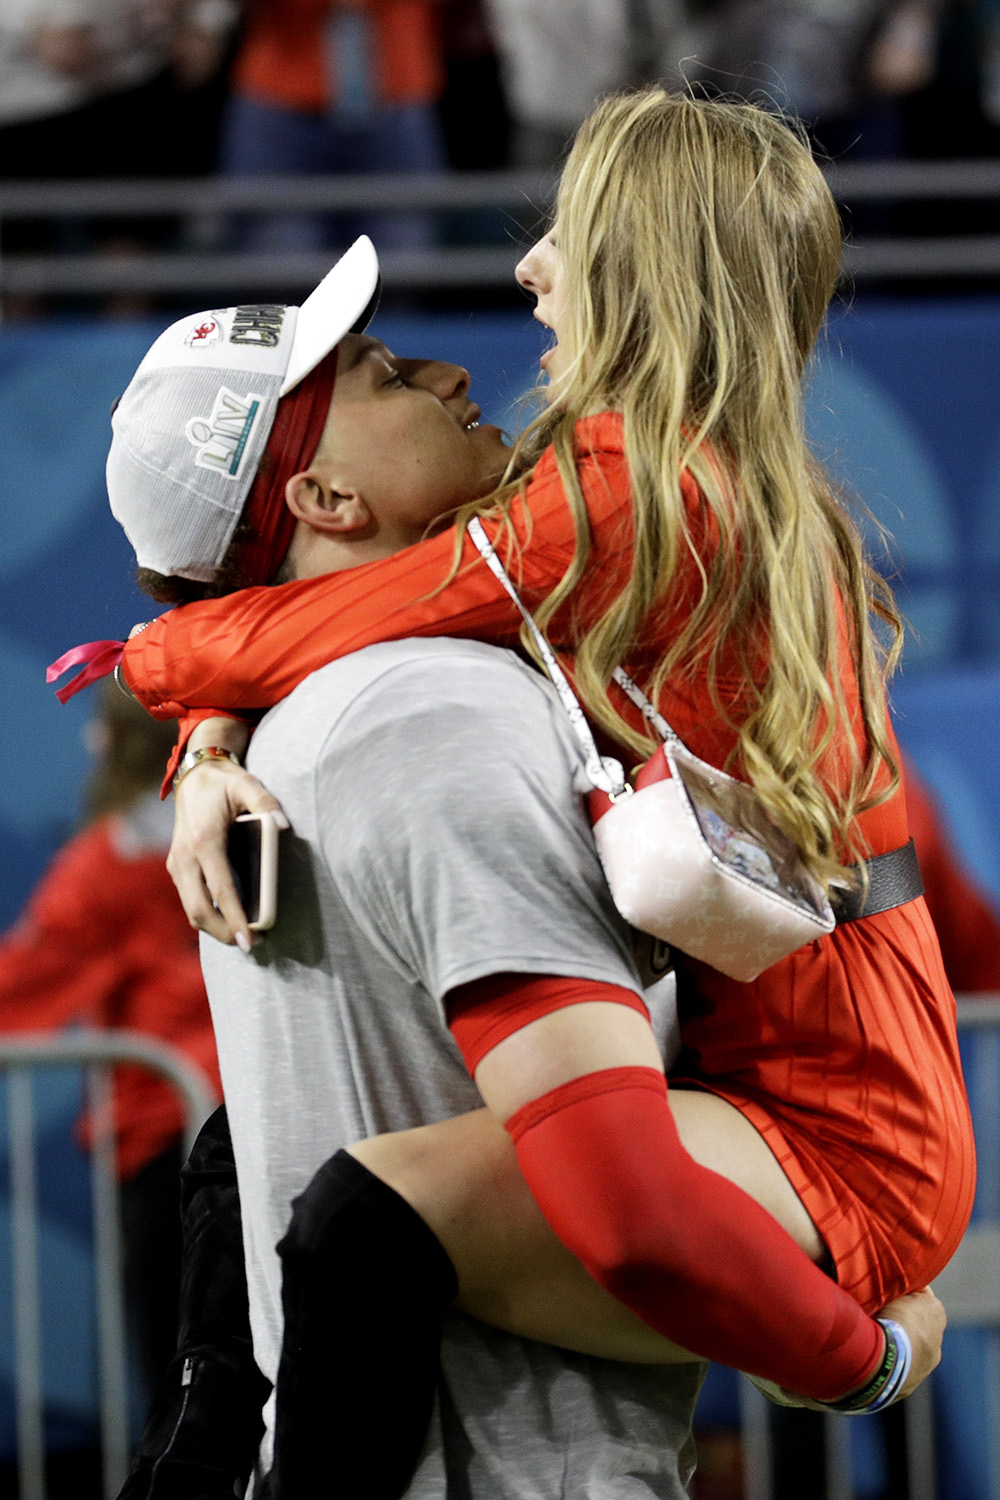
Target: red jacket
x: 104, y: 942
x: 283, y: 60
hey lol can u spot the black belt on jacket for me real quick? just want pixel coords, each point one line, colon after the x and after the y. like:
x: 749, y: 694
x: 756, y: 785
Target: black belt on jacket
x: 893, y: 879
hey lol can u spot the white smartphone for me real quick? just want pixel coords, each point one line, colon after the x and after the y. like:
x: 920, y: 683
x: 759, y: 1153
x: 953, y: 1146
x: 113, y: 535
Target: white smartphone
x: 253, y: 855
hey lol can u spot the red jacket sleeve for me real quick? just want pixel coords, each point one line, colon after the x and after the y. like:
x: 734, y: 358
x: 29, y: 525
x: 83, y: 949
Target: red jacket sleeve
x: 249, y: 650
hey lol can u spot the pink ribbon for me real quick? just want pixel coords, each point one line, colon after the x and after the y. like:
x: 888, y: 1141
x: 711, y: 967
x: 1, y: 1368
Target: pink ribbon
x: 97, y: 658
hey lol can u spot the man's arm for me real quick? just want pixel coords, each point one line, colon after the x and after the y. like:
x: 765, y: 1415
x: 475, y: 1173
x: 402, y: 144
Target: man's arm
x: 686, y: 1249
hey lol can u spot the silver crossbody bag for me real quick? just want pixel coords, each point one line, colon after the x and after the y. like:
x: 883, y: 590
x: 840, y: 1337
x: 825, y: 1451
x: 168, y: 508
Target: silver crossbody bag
x: 691, y: 855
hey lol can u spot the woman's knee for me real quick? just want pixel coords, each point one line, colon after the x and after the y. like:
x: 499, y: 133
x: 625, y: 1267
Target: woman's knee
x: 320, y: 1212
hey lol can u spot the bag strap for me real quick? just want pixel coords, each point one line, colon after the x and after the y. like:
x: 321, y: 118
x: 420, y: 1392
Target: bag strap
x: 650, y: 713
x: 605, y: 773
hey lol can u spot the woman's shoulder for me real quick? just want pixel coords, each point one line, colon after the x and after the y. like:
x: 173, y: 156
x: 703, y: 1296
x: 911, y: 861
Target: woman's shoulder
x: 602, y: 433
x: 602, y: 436
x: 602, y: 467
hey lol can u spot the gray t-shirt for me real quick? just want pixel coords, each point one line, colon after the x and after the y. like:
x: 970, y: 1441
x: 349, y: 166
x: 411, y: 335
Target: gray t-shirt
x: 439, y: 836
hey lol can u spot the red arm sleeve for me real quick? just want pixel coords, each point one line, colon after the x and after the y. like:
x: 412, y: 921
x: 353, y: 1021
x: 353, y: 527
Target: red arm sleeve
x: 482, y: 1013
x: 688, y: 1251
x: 249, y: 650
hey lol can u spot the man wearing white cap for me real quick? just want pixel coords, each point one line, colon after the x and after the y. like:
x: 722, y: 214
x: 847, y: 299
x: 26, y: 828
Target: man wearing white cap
x: 220, y: 401
x: 395, y: 890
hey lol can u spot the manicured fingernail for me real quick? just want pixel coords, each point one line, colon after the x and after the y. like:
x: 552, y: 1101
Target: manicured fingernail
x: 243, y: 943
x: 281, y: 820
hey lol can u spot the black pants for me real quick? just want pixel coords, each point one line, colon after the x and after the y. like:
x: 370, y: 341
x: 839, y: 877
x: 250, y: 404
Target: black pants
x: 204, y: 1424
x: 365, y: 1288
x: 151, y: 1253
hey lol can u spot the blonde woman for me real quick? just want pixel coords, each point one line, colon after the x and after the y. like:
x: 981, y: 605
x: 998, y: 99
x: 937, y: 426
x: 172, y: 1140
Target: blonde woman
x: 666, y: 515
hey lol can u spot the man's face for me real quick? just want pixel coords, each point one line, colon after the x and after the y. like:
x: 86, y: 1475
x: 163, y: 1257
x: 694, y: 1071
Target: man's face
x: 404, y: 434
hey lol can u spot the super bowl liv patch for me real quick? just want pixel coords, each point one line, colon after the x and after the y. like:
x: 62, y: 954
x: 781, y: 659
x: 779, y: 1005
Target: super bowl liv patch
x: 221, y: 439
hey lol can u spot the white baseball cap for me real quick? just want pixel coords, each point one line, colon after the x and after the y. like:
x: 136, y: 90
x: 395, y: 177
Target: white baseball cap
x: 192, y: 426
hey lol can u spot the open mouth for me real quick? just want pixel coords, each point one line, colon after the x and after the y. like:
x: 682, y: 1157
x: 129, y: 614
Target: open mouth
x: 553, y: 342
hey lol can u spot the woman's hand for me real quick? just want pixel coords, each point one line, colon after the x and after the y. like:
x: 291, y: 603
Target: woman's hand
x: 207, y: 800
x: 924, y: 1319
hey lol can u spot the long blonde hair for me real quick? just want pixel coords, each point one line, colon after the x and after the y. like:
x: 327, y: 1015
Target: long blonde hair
x: 700, y: 248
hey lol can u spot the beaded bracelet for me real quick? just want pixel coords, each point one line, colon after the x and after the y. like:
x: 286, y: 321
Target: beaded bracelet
x: 888, y: 1380
x: 904, y: 1362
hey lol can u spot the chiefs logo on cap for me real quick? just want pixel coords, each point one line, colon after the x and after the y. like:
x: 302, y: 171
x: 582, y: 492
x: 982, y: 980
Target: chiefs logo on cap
x: 204, y: 333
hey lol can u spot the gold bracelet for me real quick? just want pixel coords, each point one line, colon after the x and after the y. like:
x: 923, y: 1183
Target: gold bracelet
x: 195, y: 757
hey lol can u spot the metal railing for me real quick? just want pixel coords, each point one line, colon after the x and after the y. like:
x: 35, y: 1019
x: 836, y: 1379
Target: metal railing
x: 98, y: 1053
x: 523, y: 197
x: 969, y: 1288
x: 758, y: 1448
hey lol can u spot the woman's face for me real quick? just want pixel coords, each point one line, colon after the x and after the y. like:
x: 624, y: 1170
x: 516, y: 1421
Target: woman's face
x: 541, y: 273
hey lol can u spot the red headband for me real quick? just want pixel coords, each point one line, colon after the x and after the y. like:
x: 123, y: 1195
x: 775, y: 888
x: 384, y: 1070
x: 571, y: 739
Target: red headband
x: 291, y: 448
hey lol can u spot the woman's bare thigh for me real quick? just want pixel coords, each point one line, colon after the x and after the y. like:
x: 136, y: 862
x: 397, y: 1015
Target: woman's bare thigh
x: 719, y: 1137
x: 462, y: 1177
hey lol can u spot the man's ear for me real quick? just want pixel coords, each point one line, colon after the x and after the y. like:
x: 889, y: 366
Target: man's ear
x: 312, y: 499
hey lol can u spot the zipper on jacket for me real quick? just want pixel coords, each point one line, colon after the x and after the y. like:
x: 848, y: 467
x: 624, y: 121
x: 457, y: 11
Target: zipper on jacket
x: 187, y: 1377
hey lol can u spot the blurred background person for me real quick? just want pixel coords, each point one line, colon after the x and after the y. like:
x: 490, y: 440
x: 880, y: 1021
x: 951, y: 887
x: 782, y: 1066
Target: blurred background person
x: 987, y: 15
x: 957, y: 116
x: 839, y: 65
x: 103, y: 942
x: 336, y: 86
x: 108, y: 88
x: 558, y: 58
x: 473, y: 108
x: 475, y: 121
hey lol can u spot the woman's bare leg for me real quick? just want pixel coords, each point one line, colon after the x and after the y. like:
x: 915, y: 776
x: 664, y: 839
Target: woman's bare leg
x: 463, y: 1179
